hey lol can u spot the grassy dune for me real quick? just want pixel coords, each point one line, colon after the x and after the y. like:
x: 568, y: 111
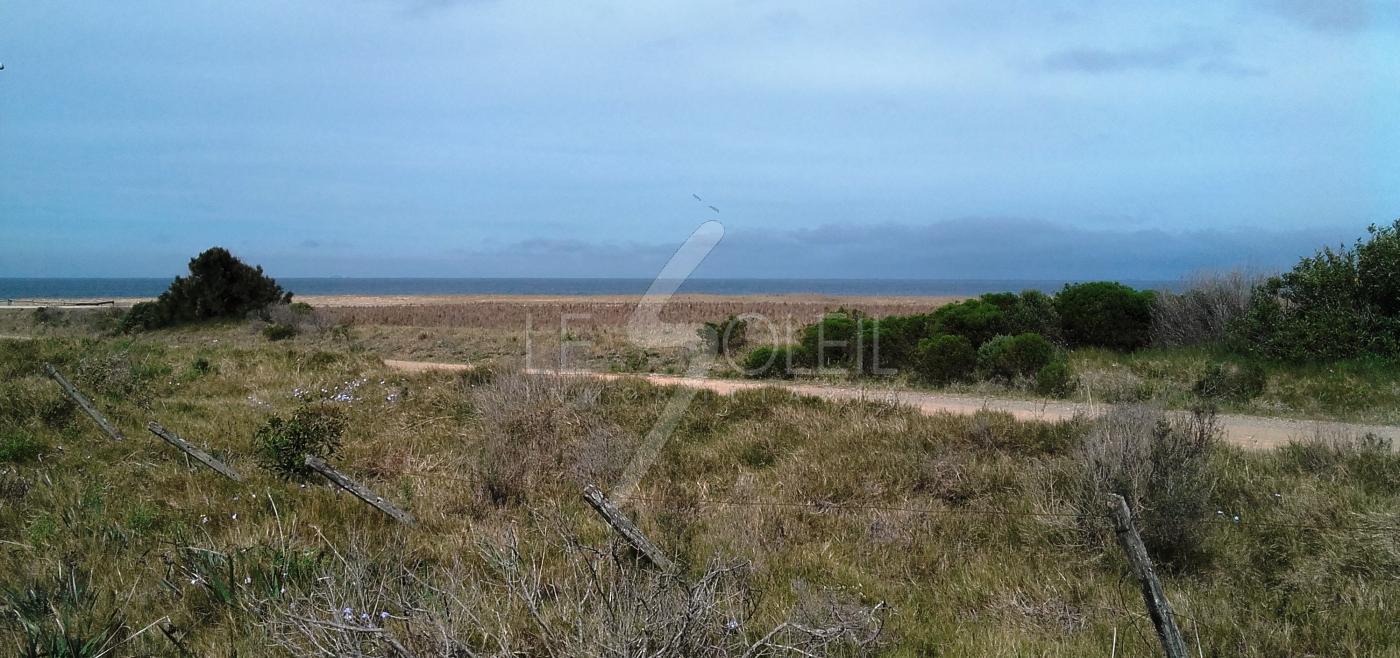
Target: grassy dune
x: 100, y: 540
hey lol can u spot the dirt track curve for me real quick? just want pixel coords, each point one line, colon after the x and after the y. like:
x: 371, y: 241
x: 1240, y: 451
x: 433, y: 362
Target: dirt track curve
x: 1255, y: 432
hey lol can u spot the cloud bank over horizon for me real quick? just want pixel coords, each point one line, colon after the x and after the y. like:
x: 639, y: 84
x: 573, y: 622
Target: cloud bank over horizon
x: 500, y: 138
x: 956, y: 249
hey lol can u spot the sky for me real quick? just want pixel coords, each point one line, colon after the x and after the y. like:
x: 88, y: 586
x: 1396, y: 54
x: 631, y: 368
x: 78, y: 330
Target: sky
x: 1021, y: 139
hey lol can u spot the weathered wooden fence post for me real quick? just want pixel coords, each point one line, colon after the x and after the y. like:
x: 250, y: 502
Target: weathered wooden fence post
x: 193, y: 451
x: 1152, y: 593
x: 625, y: 527
x: 85, y: 404
x: 360, y: 491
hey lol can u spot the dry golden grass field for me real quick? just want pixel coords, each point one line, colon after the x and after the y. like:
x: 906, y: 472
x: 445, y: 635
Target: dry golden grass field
x: 799, y: 526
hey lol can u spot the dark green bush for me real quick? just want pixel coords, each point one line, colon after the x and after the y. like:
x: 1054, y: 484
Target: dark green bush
x: 282, y: 445
x: 976, y: 320
x: 1378, y: 268
x: 1105, y: 314
x: 1031, y: 312
x: 725, y: 337
x: 891, y: 342
x: 768, y: 361
x: 1232, y: 382
x: 1055, y: 379
x: 279, y: 331
x: 833, y: 341
x: 1333, y: 305
x: 219, y: 286
x: 945, y: 359
x: 1013, y: 357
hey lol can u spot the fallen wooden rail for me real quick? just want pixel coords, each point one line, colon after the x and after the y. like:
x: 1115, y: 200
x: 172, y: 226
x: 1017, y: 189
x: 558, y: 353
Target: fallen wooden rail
x: 84, y: 403
x: 193, y: 451
x: 1152, y: 593
x: 360, y: 491
x: 625, y: 527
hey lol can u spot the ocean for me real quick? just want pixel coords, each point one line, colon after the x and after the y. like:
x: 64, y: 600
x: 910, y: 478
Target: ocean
x: 35, y: 288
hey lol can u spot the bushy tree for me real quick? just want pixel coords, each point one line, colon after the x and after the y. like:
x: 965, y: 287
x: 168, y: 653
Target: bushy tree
x: 890, y: 342
x: 977, y: 320
x: 945, y: 359
x: 1105, y: 314
x: 219, y: 285
x: 841, y: 328
x: 1013, y: 357
x: 1335, y: 304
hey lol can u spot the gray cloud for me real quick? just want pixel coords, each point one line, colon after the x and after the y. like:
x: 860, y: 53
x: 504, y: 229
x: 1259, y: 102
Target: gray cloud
x: 987, y: 248
x: 1206, y: 56
x: 1340, y: 16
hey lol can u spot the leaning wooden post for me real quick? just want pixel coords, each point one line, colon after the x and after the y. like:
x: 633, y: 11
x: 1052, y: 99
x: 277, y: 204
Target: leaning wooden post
x: 625, y: 527
x: 363, y: 493
x: 1152, y: 592
x: 85, y: 404
x: 193, y: 451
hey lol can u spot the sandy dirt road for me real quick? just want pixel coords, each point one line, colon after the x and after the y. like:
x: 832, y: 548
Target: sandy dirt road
x: 1254, y: 432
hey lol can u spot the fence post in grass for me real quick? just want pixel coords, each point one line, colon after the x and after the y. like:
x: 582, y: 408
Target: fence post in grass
x: 193, y: 451
x: 625, y: 527
x: 360, y: 491
x: 85, y: 404
x: 1152, y: 593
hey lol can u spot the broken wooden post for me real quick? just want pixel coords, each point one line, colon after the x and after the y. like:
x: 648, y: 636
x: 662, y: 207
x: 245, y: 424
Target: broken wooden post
x: 1152, y: 593
x: 320, y: 466
x: 193, y: 451
x: 85, y: 404
x: 625, y: 527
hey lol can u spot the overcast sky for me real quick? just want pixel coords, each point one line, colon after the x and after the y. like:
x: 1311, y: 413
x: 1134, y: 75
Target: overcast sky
x: 864, y: 139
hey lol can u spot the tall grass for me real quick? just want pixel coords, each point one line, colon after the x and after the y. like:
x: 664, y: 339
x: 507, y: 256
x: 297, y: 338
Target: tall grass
x: 788, y: 516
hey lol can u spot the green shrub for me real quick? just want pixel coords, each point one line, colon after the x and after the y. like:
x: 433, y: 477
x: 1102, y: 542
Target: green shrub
x: 976, y: 320
x: 768, y: 361
x: 725, y: 337
x: 832, y: 341
x: 1378, y: 268
x: 1031, y: 312
x: 942, y: 360
x: 1332, y: 305
x: 300, y: 308
x: 891, y: 342
x: 1055, y: 379
x: 1013, y: 357
x: 1105, y: 314
x: 279, y: 331
x: 282, y: 445
x: 219, y: 286
x: 19, y: 446
x: 1232, y: 382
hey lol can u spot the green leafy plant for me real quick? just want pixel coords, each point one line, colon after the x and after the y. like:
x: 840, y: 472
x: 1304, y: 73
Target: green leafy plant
x: 278, y: 331
x: 768, y: 361
x: 1013, y: 357
x: 282, y: 445
x: 1105, y: 314
x: 1055, y: 379
x: 945, y: 359
x: 17, y: 445
x: 726, y: 336
x: 219, y: 286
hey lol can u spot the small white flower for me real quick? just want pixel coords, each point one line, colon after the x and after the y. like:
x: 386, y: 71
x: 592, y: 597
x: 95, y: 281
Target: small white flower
x: 235, y: 516
x: 203, y: 518
x: 247, y: 580
x: 383, y: 614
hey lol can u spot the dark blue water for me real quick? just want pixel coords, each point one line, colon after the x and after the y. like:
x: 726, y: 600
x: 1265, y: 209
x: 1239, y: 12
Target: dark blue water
x: 63, y: 288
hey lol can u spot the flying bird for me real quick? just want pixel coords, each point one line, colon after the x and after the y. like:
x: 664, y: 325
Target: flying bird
x: 714, y: 209
x: 2, y: 66
x: 697, y: 196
